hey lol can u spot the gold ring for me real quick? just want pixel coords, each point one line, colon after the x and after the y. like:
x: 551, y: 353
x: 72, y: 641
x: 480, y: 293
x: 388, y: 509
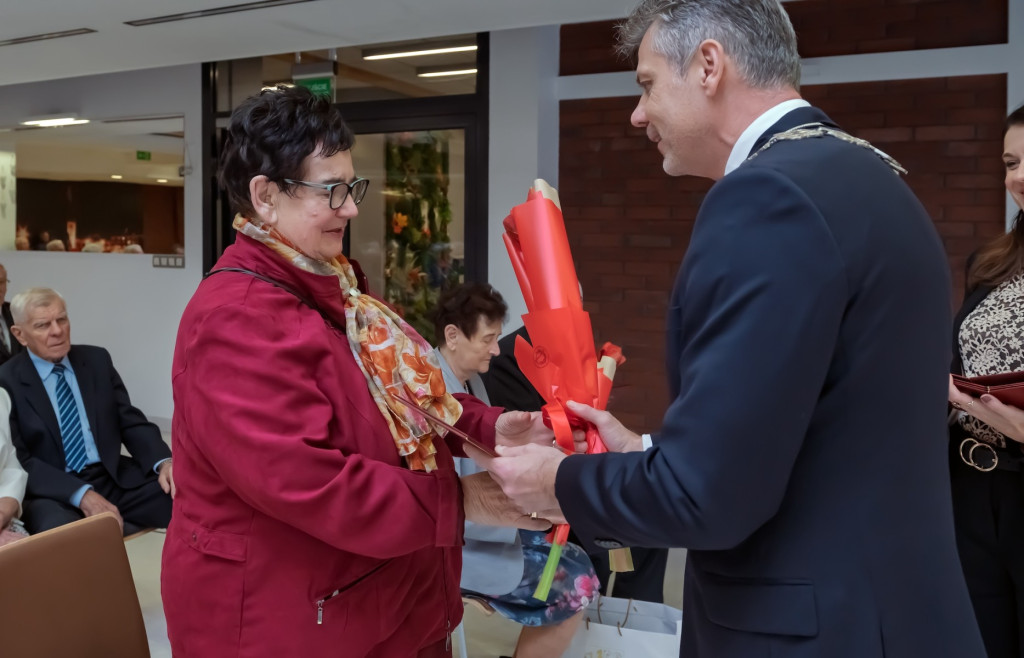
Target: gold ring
x: 971, y: 403
x: 533, y: 515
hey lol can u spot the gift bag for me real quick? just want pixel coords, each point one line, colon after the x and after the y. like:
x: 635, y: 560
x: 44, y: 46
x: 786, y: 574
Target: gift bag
x: 624, y: 628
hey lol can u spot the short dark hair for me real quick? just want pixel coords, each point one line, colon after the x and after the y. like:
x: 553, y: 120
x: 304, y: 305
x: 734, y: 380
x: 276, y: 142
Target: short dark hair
x: 271, y: 134
x: 464, y: 304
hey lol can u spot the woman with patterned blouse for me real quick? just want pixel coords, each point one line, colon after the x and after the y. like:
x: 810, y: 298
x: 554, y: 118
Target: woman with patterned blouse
x: 987, y: 458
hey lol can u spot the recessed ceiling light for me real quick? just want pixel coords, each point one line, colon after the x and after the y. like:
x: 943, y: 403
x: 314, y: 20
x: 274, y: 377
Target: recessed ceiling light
x: 161, y: 180
x: 50, y: 122
x: 116, y: 176
x: 48, y: 35
x: 230, y: 9
x: 417, y: 51
x: 443, y: 72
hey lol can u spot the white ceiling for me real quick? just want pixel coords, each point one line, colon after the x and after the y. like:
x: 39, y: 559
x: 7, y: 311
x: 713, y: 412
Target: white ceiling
x: 305, y: 26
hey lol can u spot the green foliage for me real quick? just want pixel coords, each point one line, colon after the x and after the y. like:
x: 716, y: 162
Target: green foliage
x: 419, y: 258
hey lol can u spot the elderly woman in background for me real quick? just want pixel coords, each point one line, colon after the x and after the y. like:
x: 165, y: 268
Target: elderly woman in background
x: 986, y: 435
x: 315, y: 514
x: 13, y: 479
x: 501, y: 565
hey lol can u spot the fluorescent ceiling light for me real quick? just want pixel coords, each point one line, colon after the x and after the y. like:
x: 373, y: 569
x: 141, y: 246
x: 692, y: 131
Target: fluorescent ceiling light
x: 116, y: 176
x: 443, y: 72
x: 161, y: 180
x: 50, y: 122
x: 417, y: 51
x: 274, y: 86
x: 231, y: 9
x: 48, y: 35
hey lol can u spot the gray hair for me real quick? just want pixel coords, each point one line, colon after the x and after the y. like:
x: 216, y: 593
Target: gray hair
x: 756, y: 34
x: 31, y: 299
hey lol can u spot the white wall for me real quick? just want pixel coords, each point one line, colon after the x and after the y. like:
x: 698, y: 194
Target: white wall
x: 523, y: 139
x: 120, y: 301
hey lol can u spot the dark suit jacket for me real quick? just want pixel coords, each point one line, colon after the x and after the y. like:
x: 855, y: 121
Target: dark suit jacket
x: 506, y: 384
x: 808, y: 352
x: 112, y: 418
x: 16, y: 347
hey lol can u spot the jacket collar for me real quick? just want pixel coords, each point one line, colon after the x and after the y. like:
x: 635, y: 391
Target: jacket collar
x: 325, y: 290
x: 797, y: 117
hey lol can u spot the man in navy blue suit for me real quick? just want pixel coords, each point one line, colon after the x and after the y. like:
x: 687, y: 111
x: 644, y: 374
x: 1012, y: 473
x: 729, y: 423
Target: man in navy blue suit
x: 802, y: 459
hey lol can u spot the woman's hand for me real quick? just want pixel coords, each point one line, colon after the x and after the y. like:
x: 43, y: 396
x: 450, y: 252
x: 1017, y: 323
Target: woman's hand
x: 518, y: 428
x: 1004, y: 418
x: 485, y: 503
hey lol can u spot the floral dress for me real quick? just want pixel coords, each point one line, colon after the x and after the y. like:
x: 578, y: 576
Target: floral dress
x: 991, y: 343
x: 574, y: 587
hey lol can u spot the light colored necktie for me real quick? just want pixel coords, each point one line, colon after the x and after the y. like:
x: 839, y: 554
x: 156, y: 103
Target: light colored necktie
x: 70, y: 423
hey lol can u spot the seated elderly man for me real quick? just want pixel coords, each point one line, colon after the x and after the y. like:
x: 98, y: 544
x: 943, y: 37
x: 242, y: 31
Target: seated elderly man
x: 70, y: 416
x: 12, y: 479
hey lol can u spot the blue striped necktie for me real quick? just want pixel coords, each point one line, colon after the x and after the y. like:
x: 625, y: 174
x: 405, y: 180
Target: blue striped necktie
x: 70, y: 423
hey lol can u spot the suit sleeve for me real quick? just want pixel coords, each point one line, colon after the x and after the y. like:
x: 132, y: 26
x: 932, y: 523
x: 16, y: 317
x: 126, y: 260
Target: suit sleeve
x: 258, y: 416
x: 757, y: 311
x: 140, y: 436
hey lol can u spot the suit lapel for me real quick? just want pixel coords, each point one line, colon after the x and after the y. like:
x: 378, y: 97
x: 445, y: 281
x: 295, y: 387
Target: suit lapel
x: 35, y: 395
x: 85, y: 386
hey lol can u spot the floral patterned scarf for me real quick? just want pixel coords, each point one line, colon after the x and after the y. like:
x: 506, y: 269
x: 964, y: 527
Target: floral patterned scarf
x: 394, y: 358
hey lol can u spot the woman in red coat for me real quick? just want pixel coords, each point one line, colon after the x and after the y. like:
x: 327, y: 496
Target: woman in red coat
x: 315, y: 515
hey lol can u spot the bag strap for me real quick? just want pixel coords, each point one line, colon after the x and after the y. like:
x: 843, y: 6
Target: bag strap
x: 618, y: 624
x: 283, y: 286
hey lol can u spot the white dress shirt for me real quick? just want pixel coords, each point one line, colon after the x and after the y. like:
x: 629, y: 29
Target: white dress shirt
x: 741, y: 150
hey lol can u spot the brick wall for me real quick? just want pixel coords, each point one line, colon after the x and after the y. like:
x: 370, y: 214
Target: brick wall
x: 830, y: 27
x: 844, y: 27
x: 947, y: 132
x: 629, y: 223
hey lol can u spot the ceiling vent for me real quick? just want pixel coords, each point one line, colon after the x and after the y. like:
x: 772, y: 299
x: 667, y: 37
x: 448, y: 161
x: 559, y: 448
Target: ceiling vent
x: 231, y: 9
x: 47, y: 36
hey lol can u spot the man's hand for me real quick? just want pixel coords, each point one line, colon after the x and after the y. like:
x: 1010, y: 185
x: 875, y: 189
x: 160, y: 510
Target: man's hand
x: 484, y: 503
x: 166, y: 478
x: 615, y: 436
x: 517, y: 428
x: 92, y: 504
x: 8, y: 510
x: 527, y: 476
x: 1002, y: 417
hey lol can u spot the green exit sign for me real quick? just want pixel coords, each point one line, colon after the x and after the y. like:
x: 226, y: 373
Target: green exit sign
x: 319, y: 86
x: 143, y: 155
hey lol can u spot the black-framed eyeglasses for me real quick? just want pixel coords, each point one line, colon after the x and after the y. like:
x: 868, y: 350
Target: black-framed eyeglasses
x: 338, y: 192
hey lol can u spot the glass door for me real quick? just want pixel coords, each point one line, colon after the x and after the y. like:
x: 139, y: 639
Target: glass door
x: 409, y: 237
